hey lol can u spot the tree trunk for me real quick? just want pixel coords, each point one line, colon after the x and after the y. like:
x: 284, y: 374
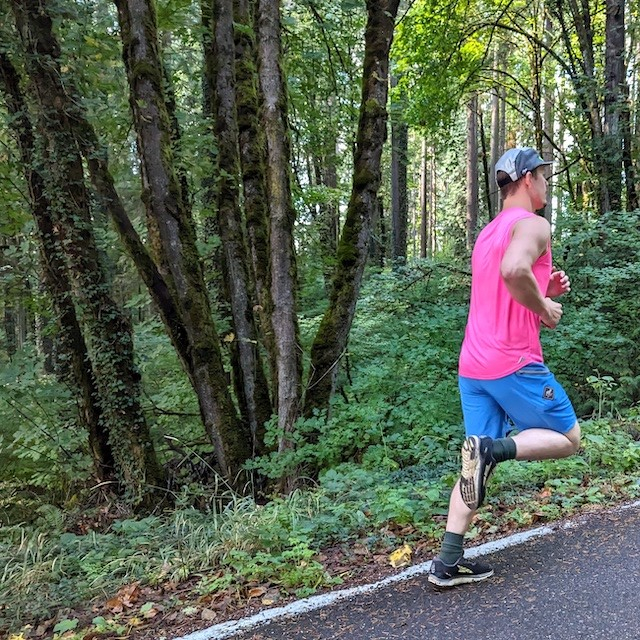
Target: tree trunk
x: 111, y: 346
x: 331, y: 339
x: 615, y: 96
x: 282, y: 218
x: 251, y: 386
x: 424, y: 195
x: 10, y: 329
x: 328, y: 215
x: 630, y: 170
x: 629, y: 123
x: 433, y: 230
x: 75, y: 367
x: 486, y: 168
x: 253, y: 161
x: 535, y: 56
x: 173, y: 233
x: 472, y: 170
x: 495, y: 133
x: 399, y: 204
x: 548, y: 118
x: 379, y: 241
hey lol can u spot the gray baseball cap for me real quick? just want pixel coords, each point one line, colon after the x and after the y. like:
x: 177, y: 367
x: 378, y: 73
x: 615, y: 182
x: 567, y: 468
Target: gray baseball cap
x: 518, y: 162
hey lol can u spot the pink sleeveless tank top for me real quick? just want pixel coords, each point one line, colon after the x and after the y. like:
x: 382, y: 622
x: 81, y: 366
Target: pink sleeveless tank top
x: 502, y: 336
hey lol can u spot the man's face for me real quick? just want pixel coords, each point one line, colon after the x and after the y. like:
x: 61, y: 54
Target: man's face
x: 538, y: 189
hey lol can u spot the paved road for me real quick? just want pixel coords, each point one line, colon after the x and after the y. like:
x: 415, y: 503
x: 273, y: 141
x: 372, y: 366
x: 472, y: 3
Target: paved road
x: 578, y: 583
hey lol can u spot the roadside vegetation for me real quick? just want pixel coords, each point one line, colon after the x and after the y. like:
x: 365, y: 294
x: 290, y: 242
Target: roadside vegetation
x: 73, y: 561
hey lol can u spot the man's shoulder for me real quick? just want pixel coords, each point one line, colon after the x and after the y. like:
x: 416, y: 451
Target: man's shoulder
x: 533, y: 222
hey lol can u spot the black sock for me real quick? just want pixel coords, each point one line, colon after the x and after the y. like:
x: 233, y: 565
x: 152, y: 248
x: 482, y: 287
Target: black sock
x: 504, y: 449
x: 451, y: 550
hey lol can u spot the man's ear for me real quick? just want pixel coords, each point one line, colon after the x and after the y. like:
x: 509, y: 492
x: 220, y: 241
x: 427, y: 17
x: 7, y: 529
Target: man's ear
x: 528, y: 178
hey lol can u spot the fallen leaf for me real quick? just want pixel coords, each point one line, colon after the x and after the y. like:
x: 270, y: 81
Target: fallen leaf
x: 115, y: 605
x: 126, y: 597
x: 400, y: 557
x: 130, y: 594
x: 256, y: 592
x: 271, y: 597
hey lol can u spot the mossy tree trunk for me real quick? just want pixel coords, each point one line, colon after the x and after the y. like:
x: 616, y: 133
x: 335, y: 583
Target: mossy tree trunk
x: 253, y: 150
x: 165, y: 299
x: 331, y: 339
x: 328, y: 217
x: 281, y: 220
x: 74, y: 367
x: 399, y: 196
x: 472, y: 170
x: 9, y: 315
x: 173, y: 231
x: 615, y: 99
x: 251, y: 384
x: 108, y: 330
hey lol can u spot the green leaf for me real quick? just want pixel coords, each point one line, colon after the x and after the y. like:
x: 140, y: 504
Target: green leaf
x: 65, y: 625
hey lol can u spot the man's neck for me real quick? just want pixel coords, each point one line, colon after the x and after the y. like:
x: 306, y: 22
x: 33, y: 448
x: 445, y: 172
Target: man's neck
x: 519, y: 200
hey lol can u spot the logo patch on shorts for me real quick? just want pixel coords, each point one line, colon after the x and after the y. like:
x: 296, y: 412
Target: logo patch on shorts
x: 548, y: 393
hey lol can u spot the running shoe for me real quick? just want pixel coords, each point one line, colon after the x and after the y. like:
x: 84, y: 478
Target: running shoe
x: 477, y: 466
x: 462, y: 572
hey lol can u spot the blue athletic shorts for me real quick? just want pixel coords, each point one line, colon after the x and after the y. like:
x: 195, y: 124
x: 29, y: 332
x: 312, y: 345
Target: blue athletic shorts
x: 527, y: 399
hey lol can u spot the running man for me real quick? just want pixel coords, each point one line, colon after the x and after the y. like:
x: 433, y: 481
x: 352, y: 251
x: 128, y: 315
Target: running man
x: 502, y: 377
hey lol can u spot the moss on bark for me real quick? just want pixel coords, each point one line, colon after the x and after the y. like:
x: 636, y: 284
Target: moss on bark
x: 331, y: 339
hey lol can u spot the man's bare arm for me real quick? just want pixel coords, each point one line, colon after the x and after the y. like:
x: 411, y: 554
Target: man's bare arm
x: 530, y: 240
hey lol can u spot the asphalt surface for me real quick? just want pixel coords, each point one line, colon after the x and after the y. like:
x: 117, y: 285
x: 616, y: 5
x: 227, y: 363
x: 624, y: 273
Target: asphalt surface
x: 577, y: 583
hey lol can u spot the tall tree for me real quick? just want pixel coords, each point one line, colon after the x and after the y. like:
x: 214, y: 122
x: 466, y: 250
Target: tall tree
x: 497, y: 113
x: 472, y: 170
x: 173, y: 235
x: 251, y: 384
x: 576, y: 24
x: 282, y: 218
x: 548, y: 113
x: 399, y: 196
x: 111, y: 344
x: 331, y: 339
x: 253, y: 160
x: 615, y: 96
x: 73, y: 364
x: 424, y: 199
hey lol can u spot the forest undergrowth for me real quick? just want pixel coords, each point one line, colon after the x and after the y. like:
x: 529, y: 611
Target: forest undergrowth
x: 75, y: 563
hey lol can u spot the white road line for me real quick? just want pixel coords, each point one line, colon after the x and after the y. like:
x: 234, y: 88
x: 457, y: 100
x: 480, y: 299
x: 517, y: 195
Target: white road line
x: 228, y: 629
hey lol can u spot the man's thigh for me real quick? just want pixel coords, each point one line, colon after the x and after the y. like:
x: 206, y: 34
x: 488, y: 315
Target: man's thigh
x: 534, y: 399
x: 483, y: 415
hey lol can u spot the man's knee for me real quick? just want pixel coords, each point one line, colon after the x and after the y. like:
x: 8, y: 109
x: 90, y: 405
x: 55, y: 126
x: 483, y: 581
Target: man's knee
x: 573, y: 435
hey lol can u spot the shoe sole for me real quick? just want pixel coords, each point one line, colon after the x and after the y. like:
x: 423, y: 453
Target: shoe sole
x: 452, y: 582
x: 471, y: 474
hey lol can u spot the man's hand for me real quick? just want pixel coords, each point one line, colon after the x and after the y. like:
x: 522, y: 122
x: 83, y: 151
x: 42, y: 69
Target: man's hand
x: 559, y: 284
x: 552, y: 313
